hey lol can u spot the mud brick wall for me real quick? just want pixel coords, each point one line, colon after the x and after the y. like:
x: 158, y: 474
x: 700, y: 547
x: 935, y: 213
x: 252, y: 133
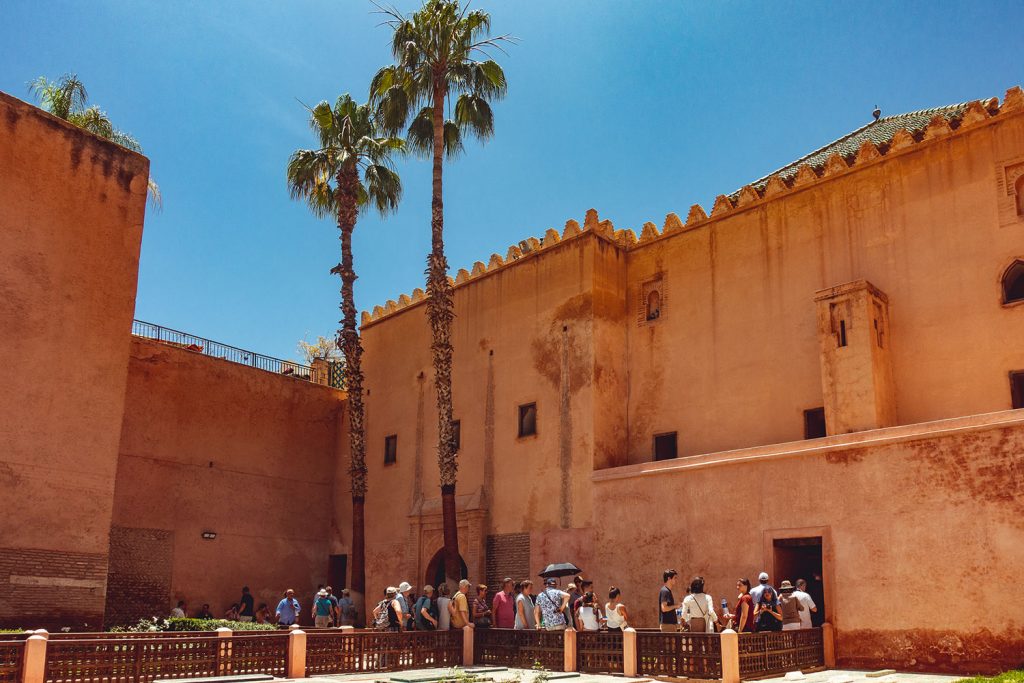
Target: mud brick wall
x: 139, y: 580
x: 507, y: 555
x: 51, y: 589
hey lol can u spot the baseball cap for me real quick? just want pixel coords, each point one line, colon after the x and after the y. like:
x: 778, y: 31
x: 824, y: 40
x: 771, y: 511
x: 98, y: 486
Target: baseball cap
x: 550, y: 581
x: 763, y: 576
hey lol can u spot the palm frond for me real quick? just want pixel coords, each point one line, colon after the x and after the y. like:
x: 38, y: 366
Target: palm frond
x: 473, y: 114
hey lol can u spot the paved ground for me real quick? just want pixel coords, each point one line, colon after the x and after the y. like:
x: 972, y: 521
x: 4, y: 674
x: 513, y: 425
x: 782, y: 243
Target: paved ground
x: 500, y: 675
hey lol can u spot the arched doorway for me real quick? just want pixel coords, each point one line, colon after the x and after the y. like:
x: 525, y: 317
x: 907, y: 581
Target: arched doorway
x: 435, y: 570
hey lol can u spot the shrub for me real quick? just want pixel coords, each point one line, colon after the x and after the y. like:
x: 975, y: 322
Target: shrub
x: 189, y: 624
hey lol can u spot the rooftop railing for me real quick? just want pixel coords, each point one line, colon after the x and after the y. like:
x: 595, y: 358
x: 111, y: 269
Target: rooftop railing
x: 208, y: 347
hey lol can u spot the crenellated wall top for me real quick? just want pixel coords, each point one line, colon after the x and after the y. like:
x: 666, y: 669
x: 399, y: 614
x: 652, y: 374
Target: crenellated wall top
x: 875, y: 142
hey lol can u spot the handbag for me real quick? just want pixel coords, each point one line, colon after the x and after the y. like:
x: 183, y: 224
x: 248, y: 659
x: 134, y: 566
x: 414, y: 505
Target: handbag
x: 698, y: 624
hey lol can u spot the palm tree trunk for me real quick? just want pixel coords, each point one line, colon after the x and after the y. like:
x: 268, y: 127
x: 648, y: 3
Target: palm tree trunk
x: 352, y: 349
x: 440, y: 314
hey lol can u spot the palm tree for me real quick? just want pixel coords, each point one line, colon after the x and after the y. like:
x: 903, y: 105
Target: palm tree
x: 441, y: 54
x: 328, y: 180
x: 66, y: 98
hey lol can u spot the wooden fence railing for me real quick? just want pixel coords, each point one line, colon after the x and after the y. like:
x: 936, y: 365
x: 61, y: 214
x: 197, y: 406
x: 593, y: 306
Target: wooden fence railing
x: 524, y: 649
x: 599, y: 652
x: 765, y: 653
x: 141, y: 660
x: 683, y: 655
x: 11, y: 657
x: 339, y: 652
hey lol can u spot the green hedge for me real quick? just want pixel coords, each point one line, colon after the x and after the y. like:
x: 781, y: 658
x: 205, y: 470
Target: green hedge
x: 189, y: 624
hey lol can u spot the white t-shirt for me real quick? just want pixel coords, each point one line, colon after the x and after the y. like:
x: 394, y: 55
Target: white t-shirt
x: 444, y: 617
x: 700, y: 605
x: 177, y: 612
x: 805, y: 613
x: 588, y: 615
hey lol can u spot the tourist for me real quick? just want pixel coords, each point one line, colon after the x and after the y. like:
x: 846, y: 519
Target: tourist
x: 287, y: 610
x: 699, y: 608
x: 179, y: 611
x: 743, y: 614
x: 805, y: 599
x: 789, y: 607
x: 766, y: 613
x: 459, y: 609
x: 426, y: 610
x: 481, y: 612
x: 205, y: 612
x: 246, y: 611
x: 322, y: 610
x: 588, y: 616
x: 263, y: 614
x: 584, y: 586
x: 667, y: 618
x: 444, y: 614
x: 346, y: 609
x: 232, y: 613
x: 525, y: 618
x: 761, y: 587
x: 393, y: 606
x: 404, y: 591
x: 549, y: 608
x: 335, y: 609
x: 503, y: 607
x: 617, y: 617
x: 574, y: 596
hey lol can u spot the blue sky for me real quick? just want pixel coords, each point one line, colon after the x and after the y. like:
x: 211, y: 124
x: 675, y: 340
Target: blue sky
x: 636, y: 108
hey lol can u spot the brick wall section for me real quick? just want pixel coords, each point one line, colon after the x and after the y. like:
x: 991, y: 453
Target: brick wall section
x: 507, y: 555
x: 139, y: 580
x: 50, y: 589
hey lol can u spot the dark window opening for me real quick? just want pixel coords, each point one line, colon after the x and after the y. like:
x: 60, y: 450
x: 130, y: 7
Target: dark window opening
x: 814, y: 423
x: 456, y: 435
x: 665, y: 446
x: 1013, y: 283
x: 391, y: 449
x: 1019, y: 188
x: 528, y: 419
x: 653, y: 305
x: 1017, y: 388
x: 842, y: 333
x: 337, y: 570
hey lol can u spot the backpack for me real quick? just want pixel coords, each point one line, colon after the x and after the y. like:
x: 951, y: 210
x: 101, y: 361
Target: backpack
x: 380, y: 616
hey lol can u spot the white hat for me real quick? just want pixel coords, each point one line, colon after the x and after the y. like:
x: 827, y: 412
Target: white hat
x: 404, y: 586
x: 763, y: 576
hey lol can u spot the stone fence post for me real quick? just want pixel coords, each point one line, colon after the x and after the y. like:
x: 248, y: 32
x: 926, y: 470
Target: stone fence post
x: 296, y: 667
x: 730, y: 656
x: 629, y: 652
x: 828, y: 644
x: 34, y: 662
x: 223, y: 652
x: 467, y: 645
x: 569, y: 643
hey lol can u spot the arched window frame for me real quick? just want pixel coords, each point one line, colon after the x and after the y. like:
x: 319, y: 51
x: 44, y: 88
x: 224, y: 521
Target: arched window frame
x: 1012, y: 278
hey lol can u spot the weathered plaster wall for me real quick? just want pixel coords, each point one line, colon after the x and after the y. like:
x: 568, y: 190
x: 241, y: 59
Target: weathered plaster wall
x: 71, y: 212
x: 522, y: 334
x: 210, y: 445
x: 734, y: 359
x: 922, y: 526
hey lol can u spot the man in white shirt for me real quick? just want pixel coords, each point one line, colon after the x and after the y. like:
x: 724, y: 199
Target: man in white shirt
x: 801, y: 594
x: 179, y: 611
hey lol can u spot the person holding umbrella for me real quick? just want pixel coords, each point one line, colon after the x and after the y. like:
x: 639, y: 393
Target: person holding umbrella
x: 549, y: 609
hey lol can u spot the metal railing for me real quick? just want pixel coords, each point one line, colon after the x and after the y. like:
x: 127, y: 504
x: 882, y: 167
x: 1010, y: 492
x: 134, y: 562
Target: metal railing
x: 208, y: 347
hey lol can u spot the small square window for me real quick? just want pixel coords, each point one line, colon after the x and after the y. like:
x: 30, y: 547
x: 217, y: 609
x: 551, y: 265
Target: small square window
x: 528, y: 419
x: 814, y: 423
x: 391, y: 449
x: 1017, y: 388
x: 457, y: 434
x: 665, y: 446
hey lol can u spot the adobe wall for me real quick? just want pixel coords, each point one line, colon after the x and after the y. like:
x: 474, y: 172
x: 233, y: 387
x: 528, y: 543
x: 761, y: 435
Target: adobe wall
x: 524, y: 333
x: 210, y: 445
x: 71, y: 213
x: 921, y: 527
x: 733, y: 361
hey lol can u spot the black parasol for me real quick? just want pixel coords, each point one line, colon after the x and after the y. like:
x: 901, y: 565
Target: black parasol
x: 560, y: 569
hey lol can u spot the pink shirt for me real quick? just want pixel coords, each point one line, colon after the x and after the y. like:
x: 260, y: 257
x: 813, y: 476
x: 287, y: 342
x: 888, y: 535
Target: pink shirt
x: 504, y: 610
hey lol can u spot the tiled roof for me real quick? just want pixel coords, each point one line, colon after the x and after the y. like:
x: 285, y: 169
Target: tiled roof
x: 879, y: 132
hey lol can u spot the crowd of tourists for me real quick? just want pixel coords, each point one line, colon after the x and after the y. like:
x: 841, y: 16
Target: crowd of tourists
x: 328, y: 610
x: 518, y: 606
